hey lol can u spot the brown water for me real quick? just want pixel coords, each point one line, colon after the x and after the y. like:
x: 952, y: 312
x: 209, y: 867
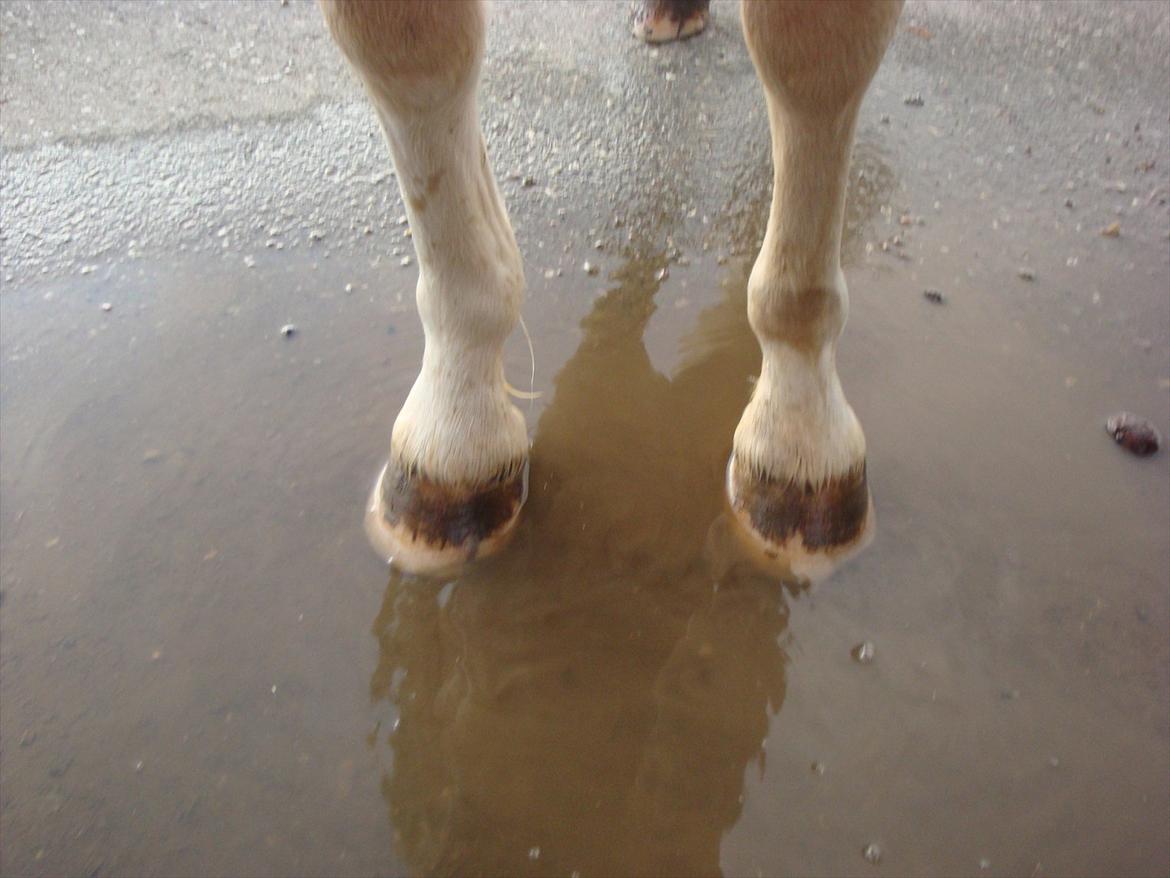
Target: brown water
x: 206, y: 670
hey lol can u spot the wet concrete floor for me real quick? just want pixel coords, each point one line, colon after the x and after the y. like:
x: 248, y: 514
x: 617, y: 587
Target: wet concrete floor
x: 205, y: 670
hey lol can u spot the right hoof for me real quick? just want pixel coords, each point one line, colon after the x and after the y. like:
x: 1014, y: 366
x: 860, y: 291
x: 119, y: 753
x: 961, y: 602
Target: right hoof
x: 420, y: 526
x: 661, y: 21
x: 801, y: 531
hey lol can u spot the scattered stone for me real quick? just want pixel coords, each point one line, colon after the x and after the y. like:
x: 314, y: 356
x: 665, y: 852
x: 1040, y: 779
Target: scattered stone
x: 589, y: 268
x: 985, y: 864
x: 88, y: 269
x: 818, y: 768
x: 872, y: 853
x: 863, y: 652
x: 1113, y: 230
x: 599, y: 244
x: 138, y: 767
x: 1026, y: 274
x: 316, y: 235
x: 349, y: 288
x: 1009, y: 694
x: 249, y: 262
x: 528, y: 182
x: 1136, y: 435
x: 662, y: 274
x: 1068, y: 202
x: 288, y: 330
x: 151, y: 455
x: 934, y: 296
x: 914, y: 100
x: 107, y: 306
x: 405, y: 261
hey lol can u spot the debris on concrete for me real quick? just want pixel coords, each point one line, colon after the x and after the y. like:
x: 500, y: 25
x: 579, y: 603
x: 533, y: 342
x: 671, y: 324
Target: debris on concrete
x: 1136, y: 435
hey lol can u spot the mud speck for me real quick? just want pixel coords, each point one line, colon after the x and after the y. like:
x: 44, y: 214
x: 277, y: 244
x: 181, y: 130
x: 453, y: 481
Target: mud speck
x: 1136, y: 435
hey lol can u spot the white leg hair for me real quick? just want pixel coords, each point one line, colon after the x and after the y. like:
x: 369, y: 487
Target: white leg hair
x: 797, y: 474
x: 458, y: 431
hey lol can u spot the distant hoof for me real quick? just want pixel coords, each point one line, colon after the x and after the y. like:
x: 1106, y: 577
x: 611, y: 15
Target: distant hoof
x: 420, y: 526
x: 660, y: 21
x: 801, y: 531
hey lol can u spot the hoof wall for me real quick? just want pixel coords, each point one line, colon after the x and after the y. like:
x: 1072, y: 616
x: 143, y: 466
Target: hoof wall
x: 801, y: 531
x: 419, y: 526
x: 663, y: 21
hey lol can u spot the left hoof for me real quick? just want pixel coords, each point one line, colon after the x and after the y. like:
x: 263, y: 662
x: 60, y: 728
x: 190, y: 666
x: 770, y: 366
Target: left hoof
x: 801, y: 531
x: 661, y: 21
x: 421, y: 526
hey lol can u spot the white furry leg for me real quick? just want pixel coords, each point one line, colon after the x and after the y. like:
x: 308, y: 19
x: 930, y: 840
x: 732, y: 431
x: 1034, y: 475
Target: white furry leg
x: 796, y: 479
x: 455, y: 481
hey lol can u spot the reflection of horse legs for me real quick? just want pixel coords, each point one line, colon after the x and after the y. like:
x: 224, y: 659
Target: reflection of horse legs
x: 455, y: 479
x: 797, y: 473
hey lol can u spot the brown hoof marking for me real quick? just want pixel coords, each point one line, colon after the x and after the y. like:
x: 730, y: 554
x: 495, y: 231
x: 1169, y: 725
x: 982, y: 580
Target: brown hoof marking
x: 444, y: 515
x: 660, y: 21
x: 826, y: 517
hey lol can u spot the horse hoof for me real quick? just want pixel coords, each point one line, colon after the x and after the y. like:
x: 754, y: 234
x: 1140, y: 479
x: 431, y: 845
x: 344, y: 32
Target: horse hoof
x: 661, y: 21
x: 420, y: 526
x: 801, y: 531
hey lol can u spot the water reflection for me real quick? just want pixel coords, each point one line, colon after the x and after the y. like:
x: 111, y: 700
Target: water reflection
x: 589, y: 702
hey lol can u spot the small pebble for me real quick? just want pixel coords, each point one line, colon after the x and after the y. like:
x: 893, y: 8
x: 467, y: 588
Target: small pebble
x: 349, y: 288
x: 1113, y: 230
x: 985, y: 864
x: 405, y: 261
x: 528, y: 182
x: 885, y: 119
x: 288, y: 330
x: 151, y: 455
x: 863, y: 652
x: 1009, y: 694
x: 914, y: 100
x: 589, y: 268
x: 138, y: 766
x: 1026, y: 274
x: 662, y: 274
x: 934, y: 296
x: 534, y: 853
x: 1053, y: 762
x: 872, y: 853
x: 1136, y: 435
x: 107, y: 306
x: 818, y: 768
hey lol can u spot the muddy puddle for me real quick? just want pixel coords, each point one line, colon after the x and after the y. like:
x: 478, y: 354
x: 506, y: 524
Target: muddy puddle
x: 207, y: 670
x: 204, y: 669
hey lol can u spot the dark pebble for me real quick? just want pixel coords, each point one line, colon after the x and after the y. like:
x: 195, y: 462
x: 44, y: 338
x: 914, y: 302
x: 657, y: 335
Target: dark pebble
x: 933, y: 296
x: 1136, y: 435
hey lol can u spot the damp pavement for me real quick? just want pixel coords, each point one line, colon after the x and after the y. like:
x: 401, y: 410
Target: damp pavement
x: 204, y: 668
